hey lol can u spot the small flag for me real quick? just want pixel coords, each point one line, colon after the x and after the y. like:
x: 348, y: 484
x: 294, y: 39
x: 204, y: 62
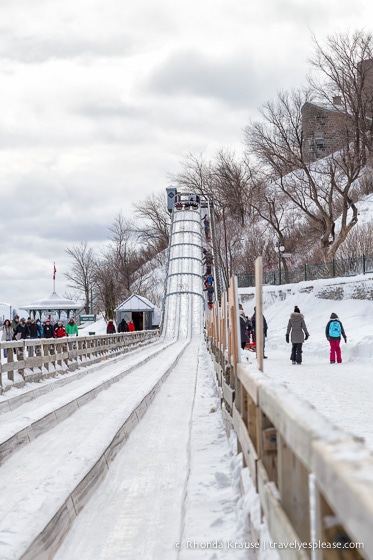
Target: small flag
x: 54, y: 272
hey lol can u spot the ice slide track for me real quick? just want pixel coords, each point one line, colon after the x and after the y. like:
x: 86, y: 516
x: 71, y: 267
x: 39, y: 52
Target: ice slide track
x: 56, y: 449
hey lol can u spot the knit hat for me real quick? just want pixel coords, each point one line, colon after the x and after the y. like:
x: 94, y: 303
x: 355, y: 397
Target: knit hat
x: 334, y: 316
x: 296, y: 309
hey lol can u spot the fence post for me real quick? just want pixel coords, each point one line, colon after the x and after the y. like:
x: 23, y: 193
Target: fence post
x: 363, y: 263
x: 305, y: 272
x: 333, y: 268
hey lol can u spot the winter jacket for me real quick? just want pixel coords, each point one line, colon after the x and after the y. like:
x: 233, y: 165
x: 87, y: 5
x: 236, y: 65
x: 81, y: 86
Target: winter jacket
x: 334, y: 317
x: 48, y: 330
x: 123, y: 327
x: 253, y: 325
x: 298, y: 328
x: 71, y: 329
x: 131, y: 326
x: 59, y: 332
x: 7, y: 332
x: 33, y: 330
x: 210, y: 292
x: 21, y: 328
x: 243, y: 329
x: 209, y: 280
x: 110, y: 329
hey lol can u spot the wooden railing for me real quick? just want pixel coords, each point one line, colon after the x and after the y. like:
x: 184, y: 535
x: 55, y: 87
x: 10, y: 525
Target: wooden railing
x: 313, y: 481
x: 39, y: 358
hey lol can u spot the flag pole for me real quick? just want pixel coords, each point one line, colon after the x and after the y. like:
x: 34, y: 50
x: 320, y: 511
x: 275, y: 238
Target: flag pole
x: 54, y: 277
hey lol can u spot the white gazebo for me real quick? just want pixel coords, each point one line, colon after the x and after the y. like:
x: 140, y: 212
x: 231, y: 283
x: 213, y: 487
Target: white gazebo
x: 55, y: 307
x: 140, y: 310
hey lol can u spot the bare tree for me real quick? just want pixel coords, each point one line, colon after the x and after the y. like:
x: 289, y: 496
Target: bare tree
x: 323, y: 190
x: 105, y: 288
x: 344, y: 67
x: 81, y: 274
x: 121, y: 255
x: 231, y: 185
x: 195, y: 176
x: 360, y: 242
x: 154, y: 229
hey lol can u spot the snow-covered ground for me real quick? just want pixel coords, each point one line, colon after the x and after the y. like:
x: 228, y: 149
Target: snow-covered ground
x: 172, y: 492
x: 340, y: 392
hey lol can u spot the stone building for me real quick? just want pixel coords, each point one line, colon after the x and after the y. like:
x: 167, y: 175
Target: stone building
x: 327, y: 128
x: 324, y: 129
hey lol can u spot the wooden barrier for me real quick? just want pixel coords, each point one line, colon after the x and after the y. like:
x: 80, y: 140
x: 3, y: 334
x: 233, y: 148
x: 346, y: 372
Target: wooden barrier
x: 41, y: 358
x: 314, y: 481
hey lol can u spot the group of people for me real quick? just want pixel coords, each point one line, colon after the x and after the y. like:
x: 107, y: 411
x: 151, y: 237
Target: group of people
x: 208, y: 279
x: 192, y: 202
x: 21, y: 329
x: 248, y: 329
x: 122, y: 327
x: 296, y: 333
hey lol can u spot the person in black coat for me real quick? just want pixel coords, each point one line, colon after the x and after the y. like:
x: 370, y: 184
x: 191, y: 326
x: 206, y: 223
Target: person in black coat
x: 123, y: 326
x: 244, y: 323
x: 48, y: 329
x: 33, y: 329
x: 253, y: 330
x: 21, y: 330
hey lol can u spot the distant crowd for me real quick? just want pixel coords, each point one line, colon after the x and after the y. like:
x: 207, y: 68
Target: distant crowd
x: 20, y: 328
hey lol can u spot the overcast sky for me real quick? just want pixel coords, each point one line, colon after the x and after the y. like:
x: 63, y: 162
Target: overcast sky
x: 101, y: 99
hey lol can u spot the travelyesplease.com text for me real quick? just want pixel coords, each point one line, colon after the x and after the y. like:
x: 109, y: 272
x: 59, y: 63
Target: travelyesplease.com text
x: 294, y: 545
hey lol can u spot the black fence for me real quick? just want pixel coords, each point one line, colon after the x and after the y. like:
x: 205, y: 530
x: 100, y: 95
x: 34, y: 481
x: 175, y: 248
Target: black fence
x: 333, y: 269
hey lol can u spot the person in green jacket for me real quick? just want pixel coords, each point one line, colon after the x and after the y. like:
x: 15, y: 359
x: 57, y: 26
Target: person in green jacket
x: 71, y: 328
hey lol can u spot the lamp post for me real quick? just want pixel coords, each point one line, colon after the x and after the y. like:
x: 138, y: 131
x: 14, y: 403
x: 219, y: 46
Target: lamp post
x: 280, y: 249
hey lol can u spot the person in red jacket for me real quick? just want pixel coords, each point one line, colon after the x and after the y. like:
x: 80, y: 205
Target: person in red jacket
x: 60, y: 330
x: 110, y: 329
x: 131, y: 326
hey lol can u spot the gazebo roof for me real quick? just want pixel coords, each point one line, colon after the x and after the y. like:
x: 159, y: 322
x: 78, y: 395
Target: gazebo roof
x: 53, y: 303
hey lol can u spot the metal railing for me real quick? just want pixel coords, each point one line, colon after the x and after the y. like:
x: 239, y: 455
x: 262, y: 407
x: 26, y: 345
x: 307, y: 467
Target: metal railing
x: 336, y: 268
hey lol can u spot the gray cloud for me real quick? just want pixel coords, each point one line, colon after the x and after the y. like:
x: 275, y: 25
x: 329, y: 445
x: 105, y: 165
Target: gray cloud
x: 99, y: 102
x: 187, y: 73
x: 34, y: 49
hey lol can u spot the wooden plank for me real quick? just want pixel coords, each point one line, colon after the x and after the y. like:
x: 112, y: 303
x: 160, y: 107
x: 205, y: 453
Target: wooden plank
x: 233, y: 325
x: 344, y: 475
x: 228, y: 394
x: 259, y: 311
x: 293, y: 484
x: 247, y: 447
x: 279, y: 526
x: 297, y: 422
x: 251, y: 379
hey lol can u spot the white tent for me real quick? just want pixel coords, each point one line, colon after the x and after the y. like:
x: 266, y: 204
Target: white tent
x: 140, y: 310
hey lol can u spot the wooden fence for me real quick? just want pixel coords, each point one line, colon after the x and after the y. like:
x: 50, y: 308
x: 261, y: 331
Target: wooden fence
x: 39, y: 358
x: 314, y: 482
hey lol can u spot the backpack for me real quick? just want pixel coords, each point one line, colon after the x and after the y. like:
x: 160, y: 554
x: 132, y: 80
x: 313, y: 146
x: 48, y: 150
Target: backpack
x: 335, y: 329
